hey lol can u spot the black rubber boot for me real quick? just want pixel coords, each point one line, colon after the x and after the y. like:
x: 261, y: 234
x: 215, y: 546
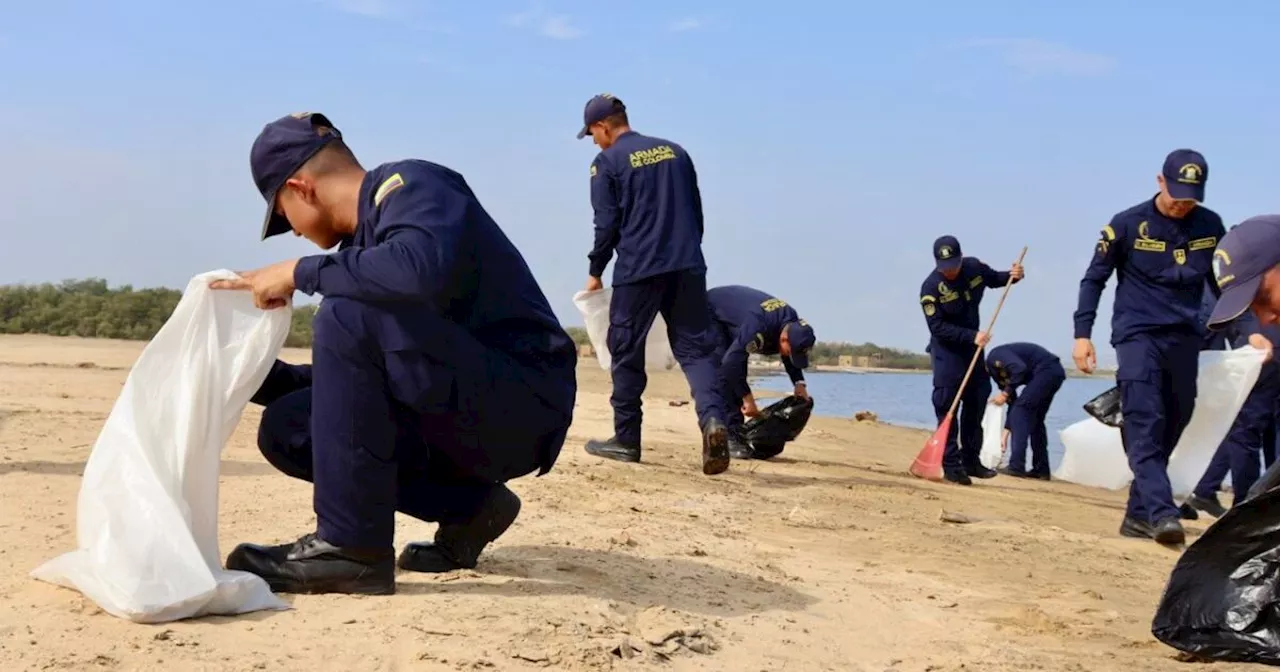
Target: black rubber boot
x: 458, y: 545
x: 975, y: 470
x: 313, y: 565
x: 1136, y: 529
x: 612, y: 449
x: 1209, y: 505
x: 1169, y: 531
x: 715, y: 448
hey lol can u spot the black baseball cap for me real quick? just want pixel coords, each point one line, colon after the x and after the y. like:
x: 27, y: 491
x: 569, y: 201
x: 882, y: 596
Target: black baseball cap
x: 1244, y: 255
x: 279, y: 151
x: 946, y: 251
x: 1185, y: 174
x: 598, y: 109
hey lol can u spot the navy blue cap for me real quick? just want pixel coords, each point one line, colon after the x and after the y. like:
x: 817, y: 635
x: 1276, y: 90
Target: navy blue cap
x: 1185, y: 174
x: 946, y: 251
x: 800, y: 336
x: 598, y: 109
x: 279, y: 151
x: 1245, y: 254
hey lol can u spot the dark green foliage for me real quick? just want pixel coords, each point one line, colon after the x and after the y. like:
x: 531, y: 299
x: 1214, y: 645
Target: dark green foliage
x: 91, y: 309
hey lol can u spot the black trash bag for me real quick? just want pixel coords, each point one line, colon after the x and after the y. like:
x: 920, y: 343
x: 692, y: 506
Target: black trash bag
x: 778, y: 423
x: 1222, y: 601
x: 1105, y: 408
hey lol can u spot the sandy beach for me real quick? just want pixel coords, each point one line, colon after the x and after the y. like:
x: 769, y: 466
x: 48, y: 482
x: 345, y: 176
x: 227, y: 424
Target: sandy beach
x: 830, y: 557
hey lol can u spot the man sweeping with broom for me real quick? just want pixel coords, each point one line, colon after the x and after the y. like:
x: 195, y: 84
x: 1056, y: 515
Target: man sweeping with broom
x: 950, y: 299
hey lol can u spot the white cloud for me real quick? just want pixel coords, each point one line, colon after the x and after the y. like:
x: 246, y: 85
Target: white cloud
x: 687, y: 23
x: 558, y: 28
x: 1035, y: 57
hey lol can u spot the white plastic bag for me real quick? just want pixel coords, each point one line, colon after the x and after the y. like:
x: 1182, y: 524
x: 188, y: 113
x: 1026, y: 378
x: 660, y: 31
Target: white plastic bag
x: 594, y: 307
x: 147, y: 515
x: 1094, y: 454
x: 992, y: 433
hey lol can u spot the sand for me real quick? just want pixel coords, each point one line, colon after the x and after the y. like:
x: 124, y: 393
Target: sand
x: 829, y: 557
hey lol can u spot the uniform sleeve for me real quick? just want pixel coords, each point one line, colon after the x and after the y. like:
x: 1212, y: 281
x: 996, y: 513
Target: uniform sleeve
x: 1106, y: 254
x: 938, y: 327
x: 418, y: 233
x: 282, y: 379
x: 993, y: 278
x: 1019, y: 374
x: 697, y: 194
x: 796, y: 374
x: 733, y: 367
x: 608, y: 215
x: 1211, y: 279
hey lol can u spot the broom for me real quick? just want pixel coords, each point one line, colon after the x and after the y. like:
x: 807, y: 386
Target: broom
x: 928, y: 462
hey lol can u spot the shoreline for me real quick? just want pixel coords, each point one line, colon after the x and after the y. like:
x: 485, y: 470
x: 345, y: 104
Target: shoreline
x: 777, y: 370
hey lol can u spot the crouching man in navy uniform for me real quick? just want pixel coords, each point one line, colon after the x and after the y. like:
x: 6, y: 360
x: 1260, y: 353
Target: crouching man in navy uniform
x: 1161, y: 250
x: 753, y: 322
x: 1246, y: 267
x: 1040, y: 375
x: 644, y: 191
x: 950, y: 298
x: 438, y: 373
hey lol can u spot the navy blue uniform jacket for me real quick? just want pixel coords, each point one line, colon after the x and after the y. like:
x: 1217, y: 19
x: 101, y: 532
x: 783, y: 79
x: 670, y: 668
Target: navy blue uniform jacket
x: 951, y: 311
x: 423, y: 238
x: 753, y: 322
x: 1161, y: 266
x: 1013, y: 364
x: 648, y: 209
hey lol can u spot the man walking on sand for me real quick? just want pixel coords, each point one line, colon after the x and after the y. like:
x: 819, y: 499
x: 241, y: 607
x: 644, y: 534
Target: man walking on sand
x: 1162, y: 251
x: 644, y: 192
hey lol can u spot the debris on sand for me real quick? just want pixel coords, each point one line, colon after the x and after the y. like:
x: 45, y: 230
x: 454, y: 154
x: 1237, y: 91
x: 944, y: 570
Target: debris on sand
x: 866, y: 416
x: 661, y: 633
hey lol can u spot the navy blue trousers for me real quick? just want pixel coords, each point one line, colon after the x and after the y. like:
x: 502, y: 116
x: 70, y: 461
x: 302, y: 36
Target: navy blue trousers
x: 1027, y: 419
x: 1239, y: 452
x: 1157, y: 380
x: 681, y: 298
x: 964, y: 441
x: 404, y: 410
x: 733, y: 395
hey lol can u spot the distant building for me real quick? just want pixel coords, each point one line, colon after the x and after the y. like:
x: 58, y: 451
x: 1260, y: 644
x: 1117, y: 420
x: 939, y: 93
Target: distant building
x: 847, y: 361
x: 585, y: 350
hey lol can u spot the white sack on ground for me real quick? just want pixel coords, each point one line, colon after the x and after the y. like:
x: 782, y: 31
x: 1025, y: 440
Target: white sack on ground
x: 594, y: 307
x: 992, y: 432
x: 147, y: 514
x: 1094, y: 454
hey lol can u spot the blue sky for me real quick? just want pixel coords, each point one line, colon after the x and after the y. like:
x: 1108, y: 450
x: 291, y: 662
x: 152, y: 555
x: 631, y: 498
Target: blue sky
x: 834, y: 141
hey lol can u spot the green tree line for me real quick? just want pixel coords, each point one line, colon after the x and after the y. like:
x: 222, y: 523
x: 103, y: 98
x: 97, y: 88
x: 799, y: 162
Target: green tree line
x: 91, y: 309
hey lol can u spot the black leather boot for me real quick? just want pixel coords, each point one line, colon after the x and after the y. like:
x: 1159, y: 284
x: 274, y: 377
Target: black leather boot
x: 458, y: 545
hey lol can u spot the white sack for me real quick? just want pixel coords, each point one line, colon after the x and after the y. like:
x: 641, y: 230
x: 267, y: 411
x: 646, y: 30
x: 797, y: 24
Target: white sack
x: 1094, y: 454
x: 594, y: 307
x: 992, y: 432
x: 147, y: 515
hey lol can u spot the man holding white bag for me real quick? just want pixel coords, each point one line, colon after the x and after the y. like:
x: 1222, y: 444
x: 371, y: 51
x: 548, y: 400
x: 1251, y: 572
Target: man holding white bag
x: 439, y: 371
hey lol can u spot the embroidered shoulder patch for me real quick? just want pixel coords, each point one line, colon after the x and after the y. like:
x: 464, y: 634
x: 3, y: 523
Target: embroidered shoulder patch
x: 388, y: 185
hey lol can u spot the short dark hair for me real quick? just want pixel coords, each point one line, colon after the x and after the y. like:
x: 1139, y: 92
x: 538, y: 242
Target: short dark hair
x: 616, y: 119
x: 334, y: 157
